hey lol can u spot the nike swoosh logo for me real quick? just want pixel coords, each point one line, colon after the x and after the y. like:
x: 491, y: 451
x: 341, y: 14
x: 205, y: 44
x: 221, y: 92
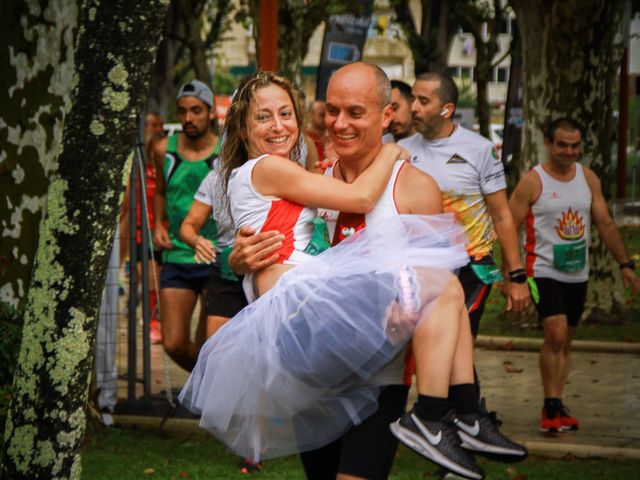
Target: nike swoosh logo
x: 471, y: 430
x: 433, y: 439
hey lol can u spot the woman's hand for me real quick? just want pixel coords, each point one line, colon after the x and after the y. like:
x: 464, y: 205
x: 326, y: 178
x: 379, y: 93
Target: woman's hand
x: 394, y: 152
x: 205, y: 253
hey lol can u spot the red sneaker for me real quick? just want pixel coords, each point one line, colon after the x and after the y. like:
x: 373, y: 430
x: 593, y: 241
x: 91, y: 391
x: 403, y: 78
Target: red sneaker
x: 154, y: 332
x: 550, y: 424
x: 247, y: 467
x: 568, y: 422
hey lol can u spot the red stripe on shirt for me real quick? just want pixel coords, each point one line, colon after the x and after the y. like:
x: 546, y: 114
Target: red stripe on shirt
x: 283, y: 216
x: 530, y: 243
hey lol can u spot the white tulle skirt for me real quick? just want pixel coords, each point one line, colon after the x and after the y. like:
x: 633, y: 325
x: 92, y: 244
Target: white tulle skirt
x: 294, y: 370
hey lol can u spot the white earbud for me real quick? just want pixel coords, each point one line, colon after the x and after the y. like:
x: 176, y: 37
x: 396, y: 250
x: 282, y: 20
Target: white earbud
x: 444, y: 112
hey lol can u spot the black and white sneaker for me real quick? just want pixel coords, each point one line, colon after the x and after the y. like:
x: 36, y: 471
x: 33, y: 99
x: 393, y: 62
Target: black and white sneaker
x: 479, y: 433
x: 438, y: 442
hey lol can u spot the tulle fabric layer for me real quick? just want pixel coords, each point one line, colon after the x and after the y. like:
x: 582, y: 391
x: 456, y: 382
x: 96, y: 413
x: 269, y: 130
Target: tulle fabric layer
x: 294, y: 370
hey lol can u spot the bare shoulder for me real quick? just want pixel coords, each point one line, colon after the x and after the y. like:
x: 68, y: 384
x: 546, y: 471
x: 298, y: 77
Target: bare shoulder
x: 159, y: 147
x: 529, y: 186
x: 417, y: 192
x: 591, y: 177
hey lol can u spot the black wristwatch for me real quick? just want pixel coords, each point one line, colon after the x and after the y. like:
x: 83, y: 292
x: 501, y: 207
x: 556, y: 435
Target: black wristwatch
x: 630, y: 264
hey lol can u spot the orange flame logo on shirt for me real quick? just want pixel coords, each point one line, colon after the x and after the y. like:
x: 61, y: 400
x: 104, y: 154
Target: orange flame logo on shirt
x: 570, y: 226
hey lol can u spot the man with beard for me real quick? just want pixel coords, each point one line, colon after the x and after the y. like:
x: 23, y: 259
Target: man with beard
x: 182, y: 162
x: 401, y: 125
x: 470, y: 175
x: 559, y: 200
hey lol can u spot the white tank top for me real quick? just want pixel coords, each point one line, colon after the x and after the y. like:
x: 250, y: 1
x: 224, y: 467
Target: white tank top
x: 340, y: 225
x: 557, y: 229
x: 268, y: 212
x: 349, y: 223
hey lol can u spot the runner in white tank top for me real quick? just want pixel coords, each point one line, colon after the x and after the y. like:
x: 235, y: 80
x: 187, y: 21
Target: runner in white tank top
x: 557, y: 229
x: 557, y: 202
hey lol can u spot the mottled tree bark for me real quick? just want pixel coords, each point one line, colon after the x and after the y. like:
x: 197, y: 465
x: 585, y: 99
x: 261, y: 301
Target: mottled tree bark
x: 115, y: 48
x: 571, y: 52
x: 37, y: 58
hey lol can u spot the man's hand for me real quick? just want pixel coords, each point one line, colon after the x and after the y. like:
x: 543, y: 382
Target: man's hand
x: 630, y: 279
x: 517, y: 294
x: 205, y: 253
x: 252, y: 252
x: 161, y: 238
x: 400, y: 324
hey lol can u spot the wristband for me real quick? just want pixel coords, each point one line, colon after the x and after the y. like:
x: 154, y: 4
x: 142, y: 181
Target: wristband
x: 518, y: 276
x: 630, y: 264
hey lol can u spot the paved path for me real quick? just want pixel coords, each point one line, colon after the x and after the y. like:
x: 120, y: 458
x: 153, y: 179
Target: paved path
x: 603, y: 392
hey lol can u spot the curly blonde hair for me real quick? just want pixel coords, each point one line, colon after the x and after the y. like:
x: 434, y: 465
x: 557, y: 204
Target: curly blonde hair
x: 235, y: 148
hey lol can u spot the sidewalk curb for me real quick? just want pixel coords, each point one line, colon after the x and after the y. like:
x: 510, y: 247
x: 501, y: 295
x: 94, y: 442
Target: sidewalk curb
x: 549, y: 449
x: 533, y: 344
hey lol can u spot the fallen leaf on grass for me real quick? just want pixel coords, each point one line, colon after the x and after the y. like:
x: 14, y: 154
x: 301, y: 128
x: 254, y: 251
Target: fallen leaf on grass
x: 184, y: 475
x: 149, y: 471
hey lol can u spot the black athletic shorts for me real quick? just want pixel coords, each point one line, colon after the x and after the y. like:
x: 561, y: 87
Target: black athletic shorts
x: 225, y: 298
x: 187, y: 276
x: 476, y: 294
x: 366, y: 450
x: 561, y: 298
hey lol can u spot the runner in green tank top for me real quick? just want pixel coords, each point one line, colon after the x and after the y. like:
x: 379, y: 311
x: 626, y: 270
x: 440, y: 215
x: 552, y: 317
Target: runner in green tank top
x: 182, y: 162
x: 182, y: 179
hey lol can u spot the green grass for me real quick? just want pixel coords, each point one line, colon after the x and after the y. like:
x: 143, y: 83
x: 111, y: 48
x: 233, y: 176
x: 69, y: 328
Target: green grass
x: 127, y: 453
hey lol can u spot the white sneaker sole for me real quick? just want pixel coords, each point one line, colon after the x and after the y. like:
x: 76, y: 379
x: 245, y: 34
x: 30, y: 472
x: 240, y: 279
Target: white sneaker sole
x: 472, y: 443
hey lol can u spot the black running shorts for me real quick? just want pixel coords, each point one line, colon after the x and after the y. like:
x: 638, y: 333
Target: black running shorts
x: 366, y: 450
x: 561, y: 298
x: 476, y: 294
x: 225, y: 298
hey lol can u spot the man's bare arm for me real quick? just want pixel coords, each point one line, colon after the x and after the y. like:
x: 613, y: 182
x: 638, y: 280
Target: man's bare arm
x: 161, y: 238
x: 417, y: 192
x: 518, y: 296
x: 252, y: 252
x: 609, y: 231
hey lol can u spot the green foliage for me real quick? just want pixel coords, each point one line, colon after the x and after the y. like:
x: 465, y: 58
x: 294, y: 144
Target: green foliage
x: 224, y: 82
x: 467, y: 97
x: 10, y: 335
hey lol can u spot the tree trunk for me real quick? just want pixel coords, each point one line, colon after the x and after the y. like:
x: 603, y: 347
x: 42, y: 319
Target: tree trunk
x: 34, y: 83
x: 291, y: 42
x: 116, y: 46
x: 430, y: 46
x: 571, y: 54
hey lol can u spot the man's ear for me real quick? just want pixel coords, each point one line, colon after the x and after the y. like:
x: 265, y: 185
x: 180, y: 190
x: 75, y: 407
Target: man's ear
x: 387, y: 112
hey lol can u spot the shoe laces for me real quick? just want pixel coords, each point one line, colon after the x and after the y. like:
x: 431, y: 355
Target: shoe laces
x: 564, y: 411
x: 493, y: 417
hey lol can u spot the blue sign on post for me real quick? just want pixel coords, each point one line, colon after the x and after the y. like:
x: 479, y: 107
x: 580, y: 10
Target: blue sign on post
x: 343, y: 43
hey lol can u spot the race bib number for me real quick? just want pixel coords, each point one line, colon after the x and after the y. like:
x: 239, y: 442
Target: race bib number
x: 570, y: 257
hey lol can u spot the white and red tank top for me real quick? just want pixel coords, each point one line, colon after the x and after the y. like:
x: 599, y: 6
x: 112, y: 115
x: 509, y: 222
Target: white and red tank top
x: 341, y: 225
x: 268, y: 212
x: 557, y: 229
